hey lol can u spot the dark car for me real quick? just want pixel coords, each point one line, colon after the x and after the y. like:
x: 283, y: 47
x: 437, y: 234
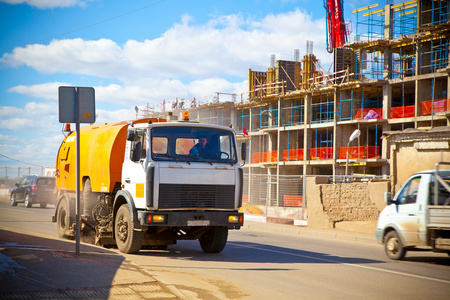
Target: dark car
x: 34, y: 189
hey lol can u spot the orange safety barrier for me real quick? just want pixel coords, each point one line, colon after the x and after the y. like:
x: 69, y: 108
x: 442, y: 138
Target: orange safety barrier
x: 362, y: 152
x: 292, y: 154
x: 402, y: 112
x: 259, y: 157
x: 321, y: 153
x: 273, y: 156
x: 438, y: 106
x: 369, y: 113
x: 292, y: 200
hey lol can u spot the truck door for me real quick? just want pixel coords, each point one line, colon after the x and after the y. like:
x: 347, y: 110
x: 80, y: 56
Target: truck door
x: 408, y: 211
x: 133, y: 176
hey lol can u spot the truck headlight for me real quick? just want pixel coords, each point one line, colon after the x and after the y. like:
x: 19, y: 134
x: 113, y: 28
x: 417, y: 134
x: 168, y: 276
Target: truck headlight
x: 156, y: 219
x: 233, y: 219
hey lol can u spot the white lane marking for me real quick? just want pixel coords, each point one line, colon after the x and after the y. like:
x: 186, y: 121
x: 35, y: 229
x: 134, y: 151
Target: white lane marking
x: 347, y: 264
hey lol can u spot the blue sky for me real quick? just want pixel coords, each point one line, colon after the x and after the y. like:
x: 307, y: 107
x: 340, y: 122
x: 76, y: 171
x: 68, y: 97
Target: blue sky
x: 137, y: 52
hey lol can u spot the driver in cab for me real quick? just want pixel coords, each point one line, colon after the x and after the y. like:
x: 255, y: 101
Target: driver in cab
x: 202, y: 148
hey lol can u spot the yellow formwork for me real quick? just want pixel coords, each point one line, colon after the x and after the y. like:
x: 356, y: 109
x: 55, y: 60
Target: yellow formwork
x: 102, y: 152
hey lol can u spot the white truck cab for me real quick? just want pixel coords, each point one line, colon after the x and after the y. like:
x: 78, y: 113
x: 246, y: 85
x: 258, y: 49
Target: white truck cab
x: 418, y: 217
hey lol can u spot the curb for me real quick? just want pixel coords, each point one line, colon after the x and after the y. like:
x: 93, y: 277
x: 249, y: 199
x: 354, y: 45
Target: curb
x: 311, y: 232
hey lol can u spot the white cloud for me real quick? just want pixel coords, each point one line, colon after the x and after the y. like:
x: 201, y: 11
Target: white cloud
x: 48, y: 91
x: 48, y: 4
x: 104, y: 116
x: 34, y: 117
x: 226, y: 46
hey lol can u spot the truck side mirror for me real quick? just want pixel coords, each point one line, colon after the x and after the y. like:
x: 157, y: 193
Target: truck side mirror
x: 244, y: 151
x: 131, y: 135
x: 387, y: 198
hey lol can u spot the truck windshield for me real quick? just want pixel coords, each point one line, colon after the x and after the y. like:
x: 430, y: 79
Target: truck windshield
x: 193, y: 144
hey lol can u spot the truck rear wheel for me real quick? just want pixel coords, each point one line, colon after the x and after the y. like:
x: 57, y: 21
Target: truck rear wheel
x: 63, y: 220
x: 128, y: 239
x: 393, y: 246
x: 214, y: 240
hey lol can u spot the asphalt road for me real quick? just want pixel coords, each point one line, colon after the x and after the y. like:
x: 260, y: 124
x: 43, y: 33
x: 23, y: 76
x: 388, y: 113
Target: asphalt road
x: 263, y: 265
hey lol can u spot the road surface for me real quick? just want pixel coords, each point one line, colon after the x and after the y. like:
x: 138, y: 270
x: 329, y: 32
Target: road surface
x: 262, y: 265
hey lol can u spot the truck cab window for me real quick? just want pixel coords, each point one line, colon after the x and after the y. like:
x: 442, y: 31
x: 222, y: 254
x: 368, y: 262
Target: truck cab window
x: 408, y: 194
x: 139, y: 146
x: 159, y: 145
x: 193, y: 144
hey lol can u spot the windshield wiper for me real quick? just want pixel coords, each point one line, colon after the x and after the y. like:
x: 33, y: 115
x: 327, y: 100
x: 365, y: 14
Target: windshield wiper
x: 176, y: 158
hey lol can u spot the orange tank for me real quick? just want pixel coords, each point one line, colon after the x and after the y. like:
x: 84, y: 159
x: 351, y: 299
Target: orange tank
x: 102, y: 152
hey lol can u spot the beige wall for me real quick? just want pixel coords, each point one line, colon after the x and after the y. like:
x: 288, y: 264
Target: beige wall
x: 407, y: 160
x: 351, y: 207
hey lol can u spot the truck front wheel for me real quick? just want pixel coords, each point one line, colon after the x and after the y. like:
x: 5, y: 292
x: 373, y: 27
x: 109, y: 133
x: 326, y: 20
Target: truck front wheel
x: 128, y: 239
x: 393, y: 246
x: 214, y: 240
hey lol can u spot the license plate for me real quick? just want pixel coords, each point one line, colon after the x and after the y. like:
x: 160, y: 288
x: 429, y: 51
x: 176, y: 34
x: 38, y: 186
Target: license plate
x: 198, y: 223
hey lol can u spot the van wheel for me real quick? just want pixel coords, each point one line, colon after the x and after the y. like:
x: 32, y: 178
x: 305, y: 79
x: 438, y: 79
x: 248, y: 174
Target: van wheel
x: 28, y: 200
x: 128, y: 239
x: 13, y: 199
x: 393, y: 246
x: 214, y: 240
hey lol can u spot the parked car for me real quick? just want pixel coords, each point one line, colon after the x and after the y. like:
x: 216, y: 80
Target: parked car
x: 34, y: 189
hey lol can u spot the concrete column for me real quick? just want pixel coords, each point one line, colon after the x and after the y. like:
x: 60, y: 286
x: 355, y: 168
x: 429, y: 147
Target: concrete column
x: 387, y: 63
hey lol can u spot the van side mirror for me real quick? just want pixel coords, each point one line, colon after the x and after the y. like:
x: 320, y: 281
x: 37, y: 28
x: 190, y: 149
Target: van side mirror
x: 244, y: 151
x: 131, y: 135
x: 388, y: 198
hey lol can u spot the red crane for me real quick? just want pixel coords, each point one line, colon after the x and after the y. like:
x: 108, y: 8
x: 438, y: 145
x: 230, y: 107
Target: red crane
x: 336, y: 31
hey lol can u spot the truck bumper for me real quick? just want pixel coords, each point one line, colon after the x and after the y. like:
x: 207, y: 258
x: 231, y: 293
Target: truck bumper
x: 191, y: 218
x: 379, y: 235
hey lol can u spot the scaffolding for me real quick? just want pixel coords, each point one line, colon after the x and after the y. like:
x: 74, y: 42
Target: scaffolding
x: 404, y: 19
x: 242, y: 119
x: 293, y: 112
x: 322, y: 108
x: 434, y: 12
x: 363, y: 104
x: 294, y: 150
x: 323, y: 142
x: 369, y: 23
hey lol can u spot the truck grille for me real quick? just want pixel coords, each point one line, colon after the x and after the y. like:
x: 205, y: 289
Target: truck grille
x: 196, y: 196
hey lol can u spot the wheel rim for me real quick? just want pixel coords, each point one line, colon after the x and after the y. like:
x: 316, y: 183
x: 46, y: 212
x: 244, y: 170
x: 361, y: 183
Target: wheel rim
x: 27, y: 199
x: 122, y: 227
x: 392, y: 245
x: 12, y: 198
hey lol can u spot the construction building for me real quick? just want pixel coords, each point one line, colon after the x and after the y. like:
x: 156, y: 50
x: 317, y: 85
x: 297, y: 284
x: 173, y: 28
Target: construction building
x: 297, y: 119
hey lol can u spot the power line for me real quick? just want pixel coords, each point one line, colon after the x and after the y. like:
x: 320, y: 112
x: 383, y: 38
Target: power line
x: 21, y: 161
x: 15, y: 5
x: 85, y: 27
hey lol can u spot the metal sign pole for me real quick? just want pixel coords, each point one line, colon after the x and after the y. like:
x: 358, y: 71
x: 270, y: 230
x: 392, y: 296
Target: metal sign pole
x: 76, y: 105
x: 77, y: 207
